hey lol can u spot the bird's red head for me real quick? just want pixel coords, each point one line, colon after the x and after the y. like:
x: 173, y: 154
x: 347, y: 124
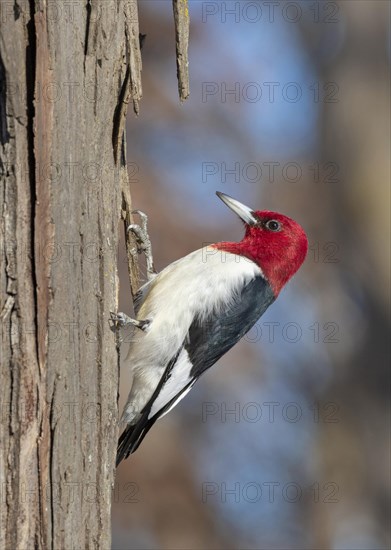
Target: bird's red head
x: 273, y: 241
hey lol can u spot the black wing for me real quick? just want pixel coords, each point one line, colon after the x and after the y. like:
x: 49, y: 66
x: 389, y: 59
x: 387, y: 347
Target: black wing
x: 210, y: 339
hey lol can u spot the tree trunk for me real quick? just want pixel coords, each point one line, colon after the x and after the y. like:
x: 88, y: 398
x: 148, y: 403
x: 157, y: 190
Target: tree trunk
x: 67, y: 71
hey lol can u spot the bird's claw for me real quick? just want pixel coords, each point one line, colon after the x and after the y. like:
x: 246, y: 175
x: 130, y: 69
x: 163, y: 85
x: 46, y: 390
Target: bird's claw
x: 121, y: 320
x: 118, y: 319
x: 143, y: 241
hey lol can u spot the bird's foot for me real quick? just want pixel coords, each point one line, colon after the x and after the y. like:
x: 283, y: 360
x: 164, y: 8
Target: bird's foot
x: 121, y: 320
x: 143, y: 241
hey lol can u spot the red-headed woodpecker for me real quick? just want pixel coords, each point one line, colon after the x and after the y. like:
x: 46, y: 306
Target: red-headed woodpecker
x: 198, y: 307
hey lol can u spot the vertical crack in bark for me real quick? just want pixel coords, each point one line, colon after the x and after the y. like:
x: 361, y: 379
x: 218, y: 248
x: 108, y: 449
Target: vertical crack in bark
x: 17, y: 10
x: 30, y: 86
x: 40, y: 144
x: 51, y: 466
x: 131, y: 88
x: 100, y: 318
x: 4, y: 135
x: 88, y: 22
x: 43, y: 227
x: 31, y: 75
x: 120, y: 115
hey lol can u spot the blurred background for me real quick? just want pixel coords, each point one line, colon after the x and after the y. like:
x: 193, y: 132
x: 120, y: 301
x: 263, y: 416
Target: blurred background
x: 284, y: 443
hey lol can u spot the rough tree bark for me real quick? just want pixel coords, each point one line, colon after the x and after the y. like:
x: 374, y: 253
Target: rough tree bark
x: 67, y: 71
x: 67, y: 74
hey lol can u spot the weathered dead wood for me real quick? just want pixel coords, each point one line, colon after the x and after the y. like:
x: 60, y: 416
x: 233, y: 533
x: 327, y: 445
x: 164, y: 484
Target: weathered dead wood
x: 182, y: 29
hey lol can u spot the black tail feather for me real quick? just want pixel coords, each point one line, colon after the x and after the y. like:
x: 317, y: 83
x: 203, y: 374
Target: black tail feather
x: 133, y: 435
x: 131, y: 438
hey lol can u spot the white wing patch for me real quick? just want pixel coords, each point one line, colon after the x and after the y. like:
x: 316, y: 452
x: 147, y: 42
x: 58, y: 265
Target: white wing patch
x: 179, y: 379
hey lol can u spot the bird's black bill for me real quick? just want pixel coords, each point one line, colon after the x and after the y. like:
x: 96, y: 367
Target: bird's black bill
x: 244, y: 212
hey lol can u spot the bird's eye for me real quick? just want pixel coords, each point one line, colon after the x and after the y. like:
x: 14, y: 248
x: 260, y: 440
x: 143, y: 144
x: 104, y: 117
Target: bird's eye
x: 273, y: 225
